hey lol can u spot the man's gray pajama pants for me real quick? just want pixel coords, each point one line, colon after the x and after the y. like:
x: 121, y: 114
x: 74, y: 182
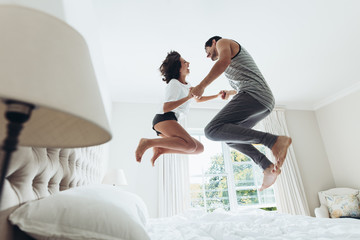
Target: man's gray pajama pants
x: 234, y: 123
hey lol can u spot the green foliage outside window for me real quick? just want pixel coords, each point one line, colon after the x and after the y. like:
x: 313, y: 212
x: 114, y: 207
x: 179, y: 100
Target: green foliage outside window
x: 215, y: 187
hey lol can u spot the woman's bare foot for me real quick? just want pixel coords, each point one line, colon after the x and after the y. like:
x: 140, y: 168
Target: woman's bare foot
x: 280, y: 150
x: 157, y: 152
x: 270, y: 176
x: 141, y: 148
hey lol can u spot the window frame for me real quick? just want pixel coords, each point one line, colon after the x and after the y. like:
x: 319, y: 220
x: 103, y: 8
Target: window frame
x: 230, y: 177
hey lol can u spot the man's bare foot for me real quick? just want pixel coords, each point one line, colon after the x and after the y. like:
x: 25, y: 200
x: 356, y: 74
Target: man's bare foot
x: 280, y: 150
x: 270, y: 176
x: 157, y: 152
x: 141, y: 148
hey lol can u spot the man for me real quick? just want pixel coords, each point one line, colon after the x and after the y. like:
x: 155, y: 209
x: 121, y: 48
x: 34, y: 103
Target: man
x: 252, y: 103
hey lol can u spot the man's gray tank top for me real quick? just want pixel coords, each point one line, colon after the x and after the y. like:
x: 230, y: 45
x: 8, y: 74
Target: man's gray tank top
x: 244, y: 75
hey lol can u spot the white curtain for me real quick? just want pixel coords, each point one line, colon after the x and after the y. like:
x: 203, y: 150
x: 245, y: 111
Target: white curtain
x: 289, y: 190
x: 174, y: 192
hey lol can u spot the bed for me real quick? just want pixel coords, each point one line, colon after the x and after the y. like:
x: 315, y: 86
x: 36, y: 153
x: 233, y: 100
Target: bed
x: 57, y: 194
x: 250, y: 224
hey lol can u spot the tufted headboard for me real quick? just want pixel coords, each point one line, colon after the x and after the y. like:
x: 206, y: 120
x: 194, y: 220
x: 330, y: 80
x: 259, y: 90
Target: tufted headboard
x: 36, y: 173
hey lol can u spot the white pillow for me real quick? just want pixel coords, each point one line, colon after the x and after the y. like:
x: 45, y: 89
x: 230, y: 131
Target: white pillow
x: 89, y: 212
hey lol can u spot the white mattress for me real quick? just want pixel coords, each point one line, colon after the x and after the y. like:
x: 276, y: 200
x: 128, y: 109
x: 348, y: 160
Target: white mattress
x: 250, y: 224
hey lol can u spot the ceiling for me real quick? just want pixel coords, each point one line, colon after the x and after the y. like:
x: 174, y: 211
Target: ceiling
x: 308, y: 50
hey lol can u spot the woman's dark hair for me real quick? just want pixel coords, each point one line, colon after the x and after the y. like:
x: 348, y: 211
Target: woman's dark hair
x: 209, y: 42
x: 170, y: 68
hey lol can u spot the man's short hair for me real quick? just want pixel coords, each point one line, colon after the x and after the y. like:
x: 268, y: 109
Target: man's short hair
x: 209, y: 42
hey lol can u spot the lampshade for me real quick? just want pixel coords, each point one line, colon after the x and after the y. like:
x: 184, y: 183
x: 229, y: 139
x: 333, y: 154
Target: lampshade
x: 45, y: 62
x: 115, y: 177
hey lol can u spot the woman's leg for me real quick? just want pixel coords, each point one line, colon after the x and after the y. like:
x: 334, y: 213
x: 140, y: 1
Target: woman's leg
x: 158, y: 151
x: 174, y: 137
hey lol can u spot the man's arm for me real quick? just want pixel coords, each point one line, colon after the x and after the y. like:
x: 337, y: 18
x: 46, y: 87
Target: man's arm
x: 224, y: 50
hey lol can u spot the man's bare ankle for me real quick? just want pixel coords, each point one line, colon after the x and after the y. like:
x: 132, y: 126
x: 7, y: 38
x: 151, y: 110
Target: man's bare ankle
x: 269, y: 168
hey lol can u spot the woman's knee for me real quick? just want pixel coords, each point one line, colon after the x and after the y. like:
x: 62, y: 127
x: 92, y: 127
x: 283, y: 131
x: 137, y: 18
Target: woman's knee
x: 199, y: 148
x: 191, y: 145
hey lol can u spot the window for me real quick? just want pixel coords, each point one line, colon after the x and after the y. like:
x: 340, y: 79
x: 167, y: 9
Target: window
x: 222, y: 177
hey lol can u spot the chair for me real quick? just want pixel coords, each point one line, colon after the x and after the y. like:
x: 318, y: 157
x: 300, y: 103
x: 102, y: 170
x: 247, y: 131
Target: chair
x: 322, y: 211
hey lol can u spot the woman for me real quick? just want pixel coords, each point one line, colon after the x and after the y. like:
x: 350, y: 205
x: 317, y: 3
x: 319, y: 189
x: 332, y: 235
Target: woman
x: 174, y: 138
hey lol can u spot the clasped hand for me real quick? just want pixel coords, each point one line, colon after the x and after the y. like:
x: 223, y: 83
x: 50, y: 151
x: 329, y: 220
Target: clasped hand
x: 197, y: 91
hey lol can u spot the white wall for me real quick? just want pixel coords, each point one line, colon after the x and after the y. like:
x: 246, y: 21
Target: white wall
x: 310, y: 154
x: 130, y: 122
x: 199, y: 118
x: 340, y: 130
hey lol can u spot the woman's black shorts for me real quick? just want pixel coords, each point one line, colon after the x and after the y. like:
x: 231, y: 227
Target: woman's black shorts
x: 163, y: 117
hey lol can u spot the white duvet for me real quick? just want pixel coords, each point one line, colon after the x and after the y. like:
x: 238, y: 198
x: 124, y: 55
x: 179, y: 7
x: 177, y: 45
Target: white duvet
x: 250, y: 224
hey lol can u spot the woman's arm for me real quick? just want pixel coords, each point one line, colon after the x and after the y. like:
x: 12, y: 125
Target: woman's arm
x: 207, y: 98
x: 168, y: 106
x: 225, y: 94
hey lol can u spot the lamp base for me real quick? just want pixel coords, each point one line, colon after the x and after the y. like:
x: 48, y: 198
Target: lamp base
x: 17, y: 113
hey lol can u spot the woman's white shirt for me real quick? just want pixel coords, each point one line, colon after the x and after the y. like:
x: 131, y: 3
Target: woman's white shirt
x: 174, y: 91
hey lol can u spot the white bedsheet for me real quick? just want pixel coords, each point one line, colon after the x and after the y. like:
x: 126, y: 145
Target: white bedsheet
x: 250, y: 225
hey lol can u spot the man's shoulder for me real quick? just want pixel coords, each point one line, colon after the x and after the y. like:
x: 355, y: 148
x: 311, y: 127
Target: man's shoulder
x: 228, y: 40
x: 225, y: 40
x: 227, y: 43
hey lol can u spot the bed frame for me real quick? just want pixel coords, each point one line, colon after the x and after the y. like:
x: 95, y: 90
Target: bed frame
x: 35, y: 173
